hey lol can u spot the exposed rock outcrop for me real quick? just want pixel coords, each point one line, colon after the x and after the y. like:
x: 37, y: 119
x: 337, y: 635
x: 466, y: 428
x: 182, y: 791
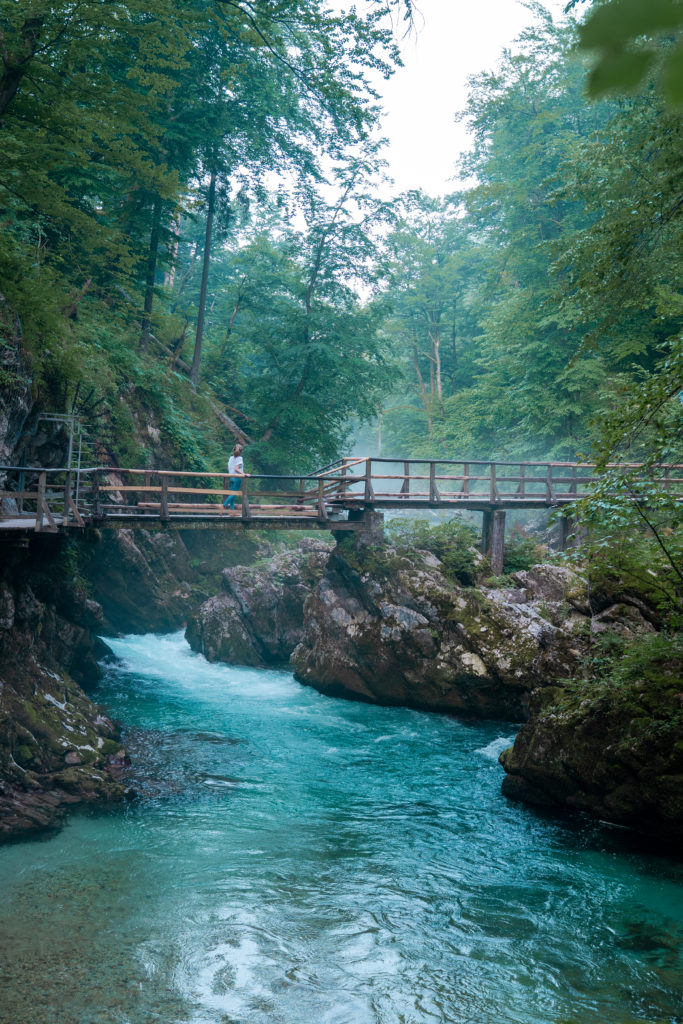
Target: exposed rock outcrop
x: 151, y: 582
x: 56, y: 748
x: 258, y: 617
x: 615, y: 753
x: 386, y: 628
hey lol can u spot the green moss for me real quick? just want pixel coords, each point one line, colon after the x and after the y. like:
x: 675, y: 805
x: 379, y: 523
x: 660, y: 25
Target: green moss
x: 23, y: 755
x: 109, y: 747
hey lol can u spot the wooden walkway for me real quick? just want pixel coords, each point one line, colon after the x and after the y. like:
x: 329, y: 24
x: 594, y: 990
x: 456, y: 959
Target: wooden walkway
x: 342, y: 496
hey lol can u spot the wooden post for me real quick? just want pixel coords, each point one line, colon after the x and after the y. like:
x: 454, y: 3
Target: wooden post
x: 466, y: 481
x: 572, y: 486
x: 342, y: 486
x: 246, y: 507
x: 164, y: 499
x: 42, y: 508
x: 322, y: 511
x: 405, y: 486
x: 521, y: 489
x: 67, y: 496
x: 497, y: 556
x: 550, y: 494
x: 22, y: 488
x: 40, y: 502
x: 494, y: 485
x: 433, y: 489
x: 487, y: 517
x: 369, y: 493
x: 96, y: 506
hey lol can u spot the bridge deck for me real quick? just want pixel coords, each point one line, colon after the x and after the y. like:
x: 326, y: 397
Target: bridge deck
x: 36, y: 499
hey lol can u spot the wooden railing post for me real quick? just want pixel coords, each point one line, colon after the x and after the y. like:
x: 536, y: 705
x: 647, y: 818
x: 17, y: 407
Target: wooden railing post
x: 322, y: 511
x: 342, y: 486
x: 42, y: 508
x: 465, y: 490
x: 405, y: 486
x: 163, y: 510
x: 96, y: 505
x: 246, y: 507
x: 369, y: 493
x: 40, y: 502
x: 21, y: 487
x: 550, y: 494
x: 521, y: 487
x: 67, y: 496
x: 433, y: 489
x: 494, y: 485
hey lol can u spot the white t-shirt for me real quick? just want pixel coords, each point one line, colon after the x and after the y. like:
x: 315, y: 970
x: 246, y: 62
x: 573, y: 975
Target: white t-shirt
x: 236, y: 464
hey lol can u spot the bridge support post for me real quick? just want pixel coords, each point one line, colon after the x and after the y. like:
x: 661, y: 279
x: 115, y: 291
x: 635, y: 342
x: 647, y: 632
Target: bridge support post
x: 493, y: 539
x: 370, y: 530
x: 497, y: 555
x: 486, y: 522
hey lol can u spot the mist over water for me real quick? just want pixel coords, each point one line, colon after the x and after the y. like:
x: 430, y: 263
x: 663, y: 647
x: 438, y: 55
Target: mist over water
x: 293, y: 858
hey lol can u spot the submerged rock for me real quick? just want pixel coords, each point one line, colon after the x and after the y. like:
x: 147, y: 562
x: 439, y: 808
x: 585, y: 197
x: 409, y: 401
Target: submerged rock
x: 392, y: 629
x: 258, y: 617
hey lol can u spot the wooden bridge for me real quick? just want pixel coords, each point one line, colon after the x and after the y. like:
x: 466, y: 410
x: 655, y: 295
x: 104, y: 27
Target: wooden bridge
x: 346, y: 495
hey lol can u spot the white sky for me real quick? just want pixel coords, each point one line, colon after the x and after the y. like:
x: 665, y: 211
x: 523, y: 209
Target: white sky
x: 453, y: 39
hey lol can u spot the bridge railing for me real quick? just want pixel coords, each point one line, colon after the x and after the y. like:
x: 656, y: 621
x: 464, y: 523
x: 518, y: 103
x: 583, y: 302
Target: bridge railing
x: 46, y: 497
x: 429, y: 481
x: 176, y: 494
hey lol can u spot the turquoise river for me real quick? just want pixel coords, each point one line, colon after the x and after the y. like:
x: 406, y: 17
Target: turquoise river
x: 294, y: 859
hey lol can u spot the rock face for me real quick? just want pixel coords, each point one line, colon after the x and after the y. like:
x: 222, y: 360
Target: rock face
x: 258, y: 618
x: 614, y: 754
x: 394, y: 630
x: 151, y: 582
x: 56, y: 747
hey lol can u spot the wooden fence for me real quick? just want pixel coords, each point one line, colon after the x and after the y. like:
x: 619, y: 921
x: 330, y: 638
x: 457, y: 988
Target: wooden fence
x: 49, y: 499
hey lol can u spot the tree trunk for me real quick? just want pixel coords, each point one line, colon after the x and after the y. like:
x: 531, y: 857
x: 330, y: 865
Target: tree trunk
x: 197, y: 357
x: 423, y: 390
x: 150, y: 276
x: 17, y: 68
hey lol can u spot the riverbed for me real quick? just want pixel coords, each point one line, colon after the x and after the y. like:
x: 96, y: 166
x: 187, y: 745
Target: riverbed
x: 292, y: 858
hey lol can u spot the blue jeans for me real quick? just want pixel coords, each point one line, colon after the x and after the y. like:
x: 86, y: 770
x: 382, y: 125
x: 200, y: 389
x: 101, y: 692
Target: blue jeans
x: 233, y: 485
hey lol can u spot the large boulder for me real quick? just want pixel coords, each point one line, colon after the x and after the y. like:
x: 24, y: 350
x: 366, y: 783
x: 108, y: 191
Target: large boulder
x: 395, y: 630
x: 614, y: 752
x: 258, y: 617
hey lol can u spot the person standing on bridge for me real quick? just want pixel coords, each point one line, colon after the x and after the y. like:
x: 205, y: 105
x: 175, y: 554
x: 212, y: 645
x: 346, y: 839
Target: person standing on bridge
x: 236, y: 471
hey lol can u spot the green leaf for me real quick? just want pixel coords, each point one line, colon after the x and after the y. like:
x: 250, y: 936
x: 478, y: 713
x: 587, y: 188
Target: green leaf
x: 613, y: 25
x: 622, y: 71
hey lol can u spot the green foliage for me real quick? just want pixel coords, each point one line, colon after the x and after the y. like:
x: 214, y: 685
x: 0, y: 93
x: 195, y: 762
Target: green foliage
x: 632, y: 39
x: 521, y: 553
x: 635, y: 546
x: 452, y: 542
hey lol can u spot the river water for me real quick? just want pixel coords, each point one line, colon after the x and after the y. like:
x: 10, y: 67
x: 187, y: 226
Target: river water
x: 296, y: 859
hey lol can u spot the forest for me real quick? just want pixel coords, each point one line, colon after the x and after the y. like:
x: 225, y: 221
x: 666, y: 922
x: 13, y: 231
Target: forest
x: 198, y: 246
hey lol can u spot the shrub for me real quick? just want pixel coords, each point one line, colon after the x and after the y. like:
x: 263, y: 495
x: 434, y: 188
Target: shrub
x: 452, y: 542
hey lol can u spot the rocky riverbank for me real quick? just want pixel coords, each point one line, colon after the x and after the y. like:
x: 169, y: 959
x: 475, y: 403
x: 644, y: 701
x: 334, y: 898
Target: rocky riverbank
x: 57, y: 748
x: 394, y: 627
